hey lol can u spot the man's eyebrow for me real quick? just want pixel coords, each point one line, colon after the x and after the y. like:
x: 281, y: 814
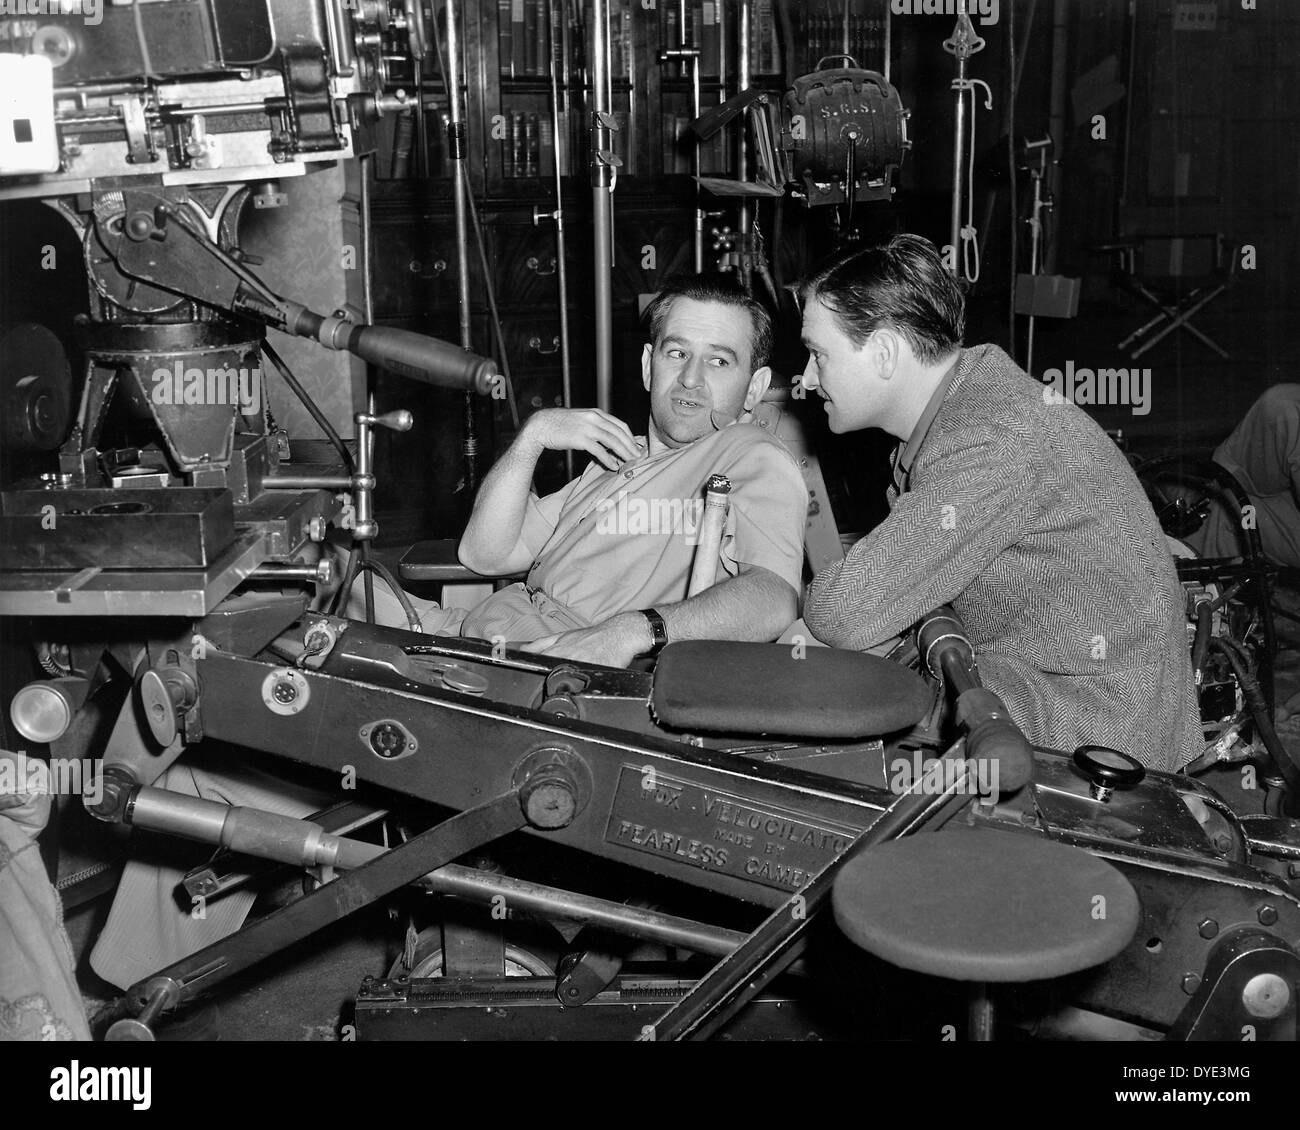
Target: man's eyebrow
x: 673, y: 339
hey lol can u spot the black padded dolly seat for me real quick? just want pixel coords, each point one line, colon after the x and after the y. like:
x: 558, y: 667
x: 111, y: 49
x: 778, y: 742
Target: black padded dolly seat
x: 763, y: 688
x: 985, y: 906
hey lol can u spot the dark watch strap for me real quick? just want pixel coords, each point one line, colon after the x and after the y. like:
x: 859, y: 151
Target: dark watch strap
x: 659, y: 628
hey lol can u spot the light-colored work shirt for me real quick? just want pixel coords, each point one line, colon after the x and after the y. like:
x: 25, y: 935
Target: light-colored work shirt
x: 611, y: 541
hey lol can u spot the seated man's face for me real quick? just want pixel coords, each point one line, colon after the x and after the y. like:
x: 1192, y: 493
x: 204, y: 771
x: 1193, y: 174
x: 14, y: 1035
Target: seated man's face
x: 699, y: 372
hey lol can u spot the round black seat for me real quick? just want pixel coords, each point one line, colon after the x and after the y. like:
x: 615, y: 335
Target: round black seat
x: 985, y: 906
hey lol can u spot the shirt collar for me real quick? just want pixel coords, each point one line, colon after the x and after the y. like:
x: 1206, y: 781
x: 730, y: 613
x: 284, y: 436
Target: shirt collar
x: 908, y: 451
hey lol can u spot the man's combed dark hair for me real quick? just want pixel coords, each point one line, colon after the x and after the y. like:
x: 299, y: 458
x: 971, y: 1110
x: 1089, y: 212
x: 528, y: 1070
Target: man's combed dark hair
x: 901, y: 284
x: 712, y: 288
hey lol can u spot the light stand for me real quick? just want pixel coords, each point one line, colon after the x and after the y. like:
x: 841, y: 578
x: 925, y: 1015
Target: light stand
x: 1042, y: 203
x: 962, y: 44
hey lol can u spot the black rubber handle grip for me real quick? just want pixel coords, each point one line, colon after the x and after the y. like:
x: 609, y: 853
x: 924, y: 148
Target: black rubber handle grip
x: 421, y: 358
x: 992, y: 734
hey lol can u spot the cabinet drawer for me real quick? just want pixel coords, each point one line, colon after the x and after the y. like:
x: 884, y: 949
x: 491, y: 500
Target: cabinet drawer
x: 414, y: 269
x: 533, y: 340
x: 524, y: 264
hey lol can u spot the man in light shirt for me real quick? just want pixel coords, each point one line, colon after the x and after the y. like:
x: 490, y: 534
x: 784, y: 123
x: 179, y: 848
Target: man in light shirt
x: 609, y: 558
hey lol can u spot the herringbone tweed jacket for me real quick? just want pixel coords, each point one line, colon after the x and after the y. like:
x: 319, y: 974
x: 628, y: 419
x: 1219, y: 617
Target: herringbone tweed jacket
x: 1027, y: 518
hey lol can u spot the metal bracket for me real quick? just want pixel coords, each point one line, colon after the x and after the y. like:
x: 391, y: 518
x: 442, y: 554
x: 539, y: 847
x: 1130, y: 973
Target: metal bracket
x: 139, y: 140
x: 1248, y: 991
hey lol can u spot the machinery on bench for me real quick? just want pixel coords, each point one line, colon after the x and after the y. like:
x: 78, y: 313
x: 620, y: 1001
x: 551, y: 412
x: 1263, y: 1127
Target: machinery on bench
x: 739, y: 778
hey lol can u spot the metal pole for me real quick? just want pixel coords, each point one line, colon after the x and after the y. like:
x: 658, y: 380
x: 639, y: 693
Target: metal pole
x: 1035, y: 247
x: 561, y: 260
x: 1056, y: 122
x: 958, y: 151
x: 722, y: 51
x: 844, y: 37
x: 889, y: 29
x: 602, y: 183
x: 962, y: 44
x: 742, y: 145
x: 368, y: 311
x: 694, y: 62
x: 458, y: 151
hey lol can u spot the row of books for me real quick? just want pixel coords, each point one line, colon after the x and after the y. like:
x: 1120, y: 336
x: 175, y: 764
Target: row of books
x: 528, y: 148
x: 825, y: 36
x: 704, y: 34
x: 526, y: 30
x: 524, y: 36
x: 764, y: 40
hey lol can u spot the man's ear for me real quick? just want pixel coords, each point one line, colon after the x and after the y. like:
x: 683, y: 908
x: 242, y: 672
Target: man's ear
x: 646, y: 353
x: 885, y: 346
x: 758, y: 385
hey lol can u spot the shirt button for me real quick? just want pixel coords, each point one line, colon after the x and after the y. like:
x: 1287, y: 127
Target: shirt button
x: 627, y: 474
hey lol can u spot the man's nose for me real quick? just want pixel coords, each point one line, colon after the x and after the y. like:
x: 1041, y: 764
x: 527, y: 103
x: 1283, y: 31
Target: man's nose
x: 808, y: 378
x: 692, y: 375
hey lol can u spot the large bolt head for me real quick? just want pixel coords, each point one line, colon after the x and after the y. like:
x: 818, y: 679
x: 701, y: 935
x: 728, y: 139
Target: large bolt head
x: 549, y: 801
x: 1266, y: 996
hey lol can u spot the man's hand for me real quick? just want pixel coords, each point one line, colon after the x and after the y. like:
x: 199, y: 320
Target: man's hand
x: 606, y: 437
x: 613, y: 643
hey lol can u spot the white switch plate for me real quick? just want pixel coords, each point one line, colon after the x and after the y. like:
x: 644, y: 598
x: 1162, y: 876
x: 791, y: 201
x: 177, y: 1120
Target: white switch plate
x: 28, y: 140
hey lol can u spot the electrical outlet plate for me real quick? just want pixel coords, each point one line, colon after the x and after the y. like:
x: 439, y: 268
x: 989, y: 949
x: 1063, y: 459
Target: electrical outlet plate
x: 28, y: 141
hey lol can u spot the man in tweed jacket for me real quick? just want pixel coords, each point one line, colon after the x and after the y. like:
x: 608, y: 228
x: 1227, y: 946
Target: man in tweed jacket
x: 1009, y: 503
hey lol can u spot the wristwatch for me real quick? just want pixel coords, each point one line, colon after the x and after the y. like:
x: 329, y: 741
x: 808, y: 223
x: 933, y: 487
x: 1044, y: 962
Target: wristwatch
x: 659, y: 628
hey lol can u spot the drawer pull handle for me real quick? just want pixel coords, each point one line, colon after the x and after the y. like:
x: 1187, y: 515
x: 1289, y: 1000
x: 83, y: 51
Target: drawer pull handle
x: 535, y: 344
x: 542, y: 267
x: 436, y: 268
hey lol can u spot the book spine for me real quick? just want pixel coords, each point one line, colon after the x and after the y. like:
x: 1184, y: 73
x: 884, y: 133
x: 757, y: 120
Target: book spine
x: 519, y: 52
x: 542, y: 65
x: 505, y: 38
x: 546, y: 145
x: 521, y: 144
x: 530, y: 37
x: 767, y: 30
x: 709, y: 46
x: 532, y: 147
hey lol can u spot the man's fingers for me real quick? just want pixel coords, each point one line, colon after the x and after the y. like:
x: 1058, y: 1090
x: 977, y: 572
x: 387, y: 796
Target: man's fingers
x: 605, y: 458
x: 620, y: 435
x: 620, y: 427
x: 618, y: 441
